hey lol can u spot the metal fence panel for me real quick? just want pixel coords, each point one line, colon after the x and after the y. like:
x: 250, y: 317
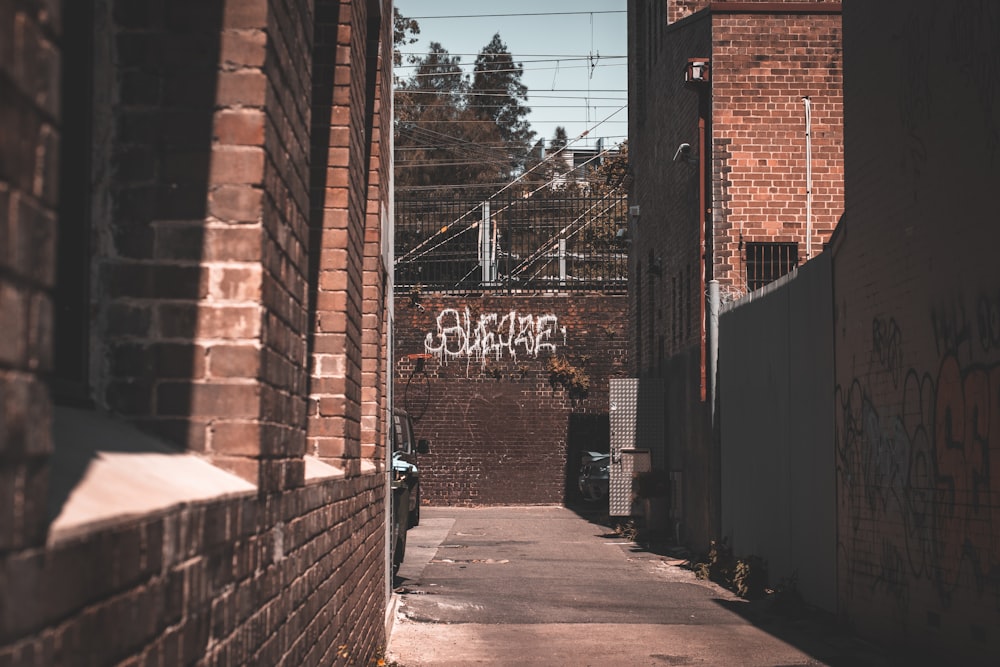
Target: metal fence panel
x: 557, y: 242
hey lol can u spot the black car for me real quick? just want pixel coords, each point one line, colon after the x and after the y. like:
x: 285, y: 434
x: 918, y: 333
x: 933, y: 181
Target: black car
x: 405, y: 482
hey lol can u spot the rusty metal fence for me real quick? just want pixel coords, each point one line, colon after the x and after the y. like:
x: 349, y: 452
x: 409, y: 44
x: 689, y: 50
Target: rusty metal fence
x: 554, y: 243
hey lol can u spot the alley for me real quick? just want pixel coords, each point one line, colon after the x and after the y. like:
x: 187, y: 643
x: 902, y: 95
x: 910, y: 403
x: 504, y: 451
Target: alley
x: 545, y: 586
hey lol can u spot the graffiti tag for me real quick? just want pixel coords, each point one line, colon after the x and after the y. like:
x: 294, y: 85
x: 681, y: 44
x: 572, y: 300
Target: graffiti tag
x: 492, y: 335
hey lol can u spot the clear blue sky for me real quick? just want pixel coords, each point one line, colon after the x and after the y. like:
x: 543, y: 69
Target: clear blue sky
x: 555, y: 51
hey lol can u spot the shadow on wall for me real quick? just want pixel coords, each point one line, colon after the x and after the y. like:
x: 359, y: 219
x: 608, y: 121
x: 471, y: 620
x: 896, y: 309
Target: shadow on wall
x: 135, y: 165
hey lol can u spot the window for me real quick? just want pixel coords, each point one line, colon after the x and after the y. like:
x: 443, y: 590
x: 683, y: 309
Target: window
x: 766, y: 262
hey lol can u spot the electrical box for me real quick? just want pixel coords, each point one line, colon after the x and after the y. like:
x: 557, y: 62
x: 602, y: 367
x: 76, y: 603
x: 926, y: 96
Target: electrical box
x: 638, y: 437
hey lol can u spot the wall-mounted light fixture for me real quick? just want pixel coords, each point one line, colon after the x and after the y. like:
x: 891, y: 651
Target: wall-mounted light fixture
x: 698, y: 70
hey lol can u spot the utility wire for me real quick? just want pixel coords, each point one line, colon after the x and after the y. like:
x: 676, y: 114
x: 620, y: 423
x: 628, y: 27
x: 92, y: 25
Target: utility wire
x: 477, y: 16
x: 445, y: 228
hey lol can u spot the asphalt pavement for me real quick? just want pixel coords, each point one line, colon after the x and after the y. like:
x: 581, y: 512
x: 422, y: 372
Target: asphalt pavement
x: 548, y: 586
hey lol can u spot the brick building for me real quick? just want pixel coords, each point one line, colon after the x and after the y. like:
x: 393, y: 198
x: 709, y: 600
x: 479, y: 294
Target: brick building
x: 916, y: 289
x: 730, y: 184
x: 194, y: 230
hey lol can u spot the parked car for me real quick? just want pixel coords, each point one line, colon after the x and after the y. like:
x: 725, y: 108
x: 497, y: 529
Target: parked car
x: 405, y: 482
x: 593, y: 479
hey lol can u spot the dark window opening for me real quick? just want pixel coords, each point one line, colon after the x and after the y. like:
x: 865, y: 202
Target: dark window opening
x: 766, y: 262
x: 72, y: 291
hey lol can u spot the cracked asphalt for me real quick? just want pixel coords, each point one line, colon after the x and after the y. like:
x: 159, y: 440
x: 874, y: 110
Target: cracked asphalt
x: 546, y: 586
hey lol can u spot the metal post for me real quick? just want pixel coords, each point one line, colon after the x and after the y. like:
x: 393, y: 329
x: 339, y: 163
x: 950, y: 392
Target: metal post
x: 562, y: 262
x: 486, y: 246
x: 713, y: 344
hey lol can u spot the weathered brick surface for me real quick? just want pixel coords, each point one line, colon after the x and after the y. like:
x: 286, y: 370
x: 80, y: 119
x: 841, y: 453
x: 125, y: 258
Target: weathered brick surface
x: 348, y: 208
x: 497, y: 421
x: 279, y: 580
x: 917, y: 298
x: 200, y: 292
x: 29, y: 145
x: 763, y: 62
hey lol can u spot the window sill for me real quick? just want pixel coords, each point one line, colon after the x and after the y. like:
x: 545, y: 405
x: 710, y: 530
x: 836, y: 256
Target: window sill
x: 106, y: 472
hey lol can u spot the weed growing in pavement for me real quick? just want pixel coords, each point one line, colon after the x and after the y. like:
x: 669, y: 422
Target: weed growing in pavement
x: 627, y: 530
x: 747, y: 577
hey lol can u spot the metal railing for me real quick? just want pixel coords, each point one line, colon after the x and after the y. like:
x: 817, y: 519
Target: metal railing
x: 556, y: 242
x: 766, y: 262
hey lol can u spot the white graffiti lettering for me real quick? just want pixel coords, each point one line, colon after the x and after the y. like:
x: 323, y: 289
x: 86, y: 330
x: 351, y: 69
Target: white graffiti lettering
x: 492, y: 335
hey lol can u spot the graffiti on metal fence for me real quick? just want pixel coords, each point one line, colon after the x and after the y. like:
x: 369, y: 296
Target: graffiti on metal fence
x: 492, y: 335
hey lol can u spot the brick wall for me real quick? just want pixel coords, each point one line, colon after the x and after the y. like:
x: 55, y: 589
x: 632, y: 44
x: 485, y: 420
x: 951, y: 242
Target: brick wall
x: 285, y: 581
x: 666, y: 289
x: 759, y: 143
x: 192, y: 142
x: 497, y: 424
x: 751, y: 182
x: 29, y: 146
x: 917, y: 297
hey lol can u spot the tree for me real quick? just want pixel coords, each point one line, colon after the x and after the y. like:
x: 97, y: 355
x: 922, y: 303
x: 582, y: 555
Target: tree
x: 440, y: 140
x: 559, y: 141
x: 499, y: 95
x: 404, y: 31
x: 451, y: 130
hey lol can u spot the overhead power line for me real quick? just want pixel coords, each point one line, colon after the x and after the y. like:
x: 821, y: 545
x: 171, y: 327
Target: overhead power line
x: 542, y: 58
x: 478, y: 16
x: 420, y: 247
x: 521, y: 69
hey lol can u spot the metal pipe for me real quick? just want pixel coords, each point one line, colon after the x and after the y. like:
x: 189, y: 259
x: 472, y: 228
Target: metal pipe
x: 703, y: 220
x: 809, y: 176
x: 713, y: 345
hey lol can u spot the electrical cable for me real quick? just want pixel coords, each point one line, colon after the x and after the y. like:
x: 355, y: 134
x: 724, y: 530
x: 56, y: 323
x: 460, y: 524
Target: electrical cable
x: 513, y: 182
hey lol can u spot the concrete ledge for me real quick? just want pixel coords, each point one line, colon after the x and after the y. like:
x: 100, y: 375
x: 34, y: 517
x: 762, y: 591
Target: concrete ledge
x: 105, y: 472
x: 318, y: 471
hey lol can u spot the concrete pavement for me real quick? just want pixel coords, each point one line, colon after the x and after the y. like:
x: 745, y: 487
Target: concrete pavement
x: 546, y: 586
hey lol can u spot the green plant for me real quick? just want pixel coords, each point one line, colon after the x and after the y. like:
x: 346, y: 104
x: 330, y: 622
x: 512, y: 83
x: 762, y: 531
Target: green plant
x: 627, y: 530
x: 747, y: 577
x: 572, y: 378
x: 720, y: 563
x: 750, y: 577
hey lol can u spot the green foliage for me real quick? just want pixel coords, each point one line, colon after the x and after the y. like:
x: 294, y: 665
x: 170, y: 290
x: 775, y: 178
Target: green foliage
x: 575, y: 380
x: 453, y: 128
x: 750, y: 577
x: 747, y: 577
x: 496, y: 83
x: 403, y: 32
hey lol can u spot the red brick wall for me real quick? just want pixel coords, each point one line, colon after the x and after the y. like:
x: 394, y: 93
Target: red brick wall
x: 762, y: 67
x: 917, y: 308
x: 295, y: 579
x: 202, y: 287
x: 498, y: 426
x: 29, y: 145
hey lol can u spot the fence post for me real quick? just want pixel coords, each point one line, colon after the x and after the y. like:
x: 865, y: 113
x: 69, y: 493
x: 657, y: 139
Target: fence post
x: 486, y: 258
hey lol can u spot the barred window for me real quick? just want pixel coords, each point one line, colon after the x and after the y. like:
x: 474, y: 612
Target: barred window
x: 766, y: 262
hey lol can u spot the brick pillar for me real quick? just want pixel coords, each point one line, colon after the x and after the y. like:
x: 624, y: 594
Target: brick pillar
x: 202, y: 284
x: 29, y: 144
x: 338, y: 219
x: 378, y: 234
